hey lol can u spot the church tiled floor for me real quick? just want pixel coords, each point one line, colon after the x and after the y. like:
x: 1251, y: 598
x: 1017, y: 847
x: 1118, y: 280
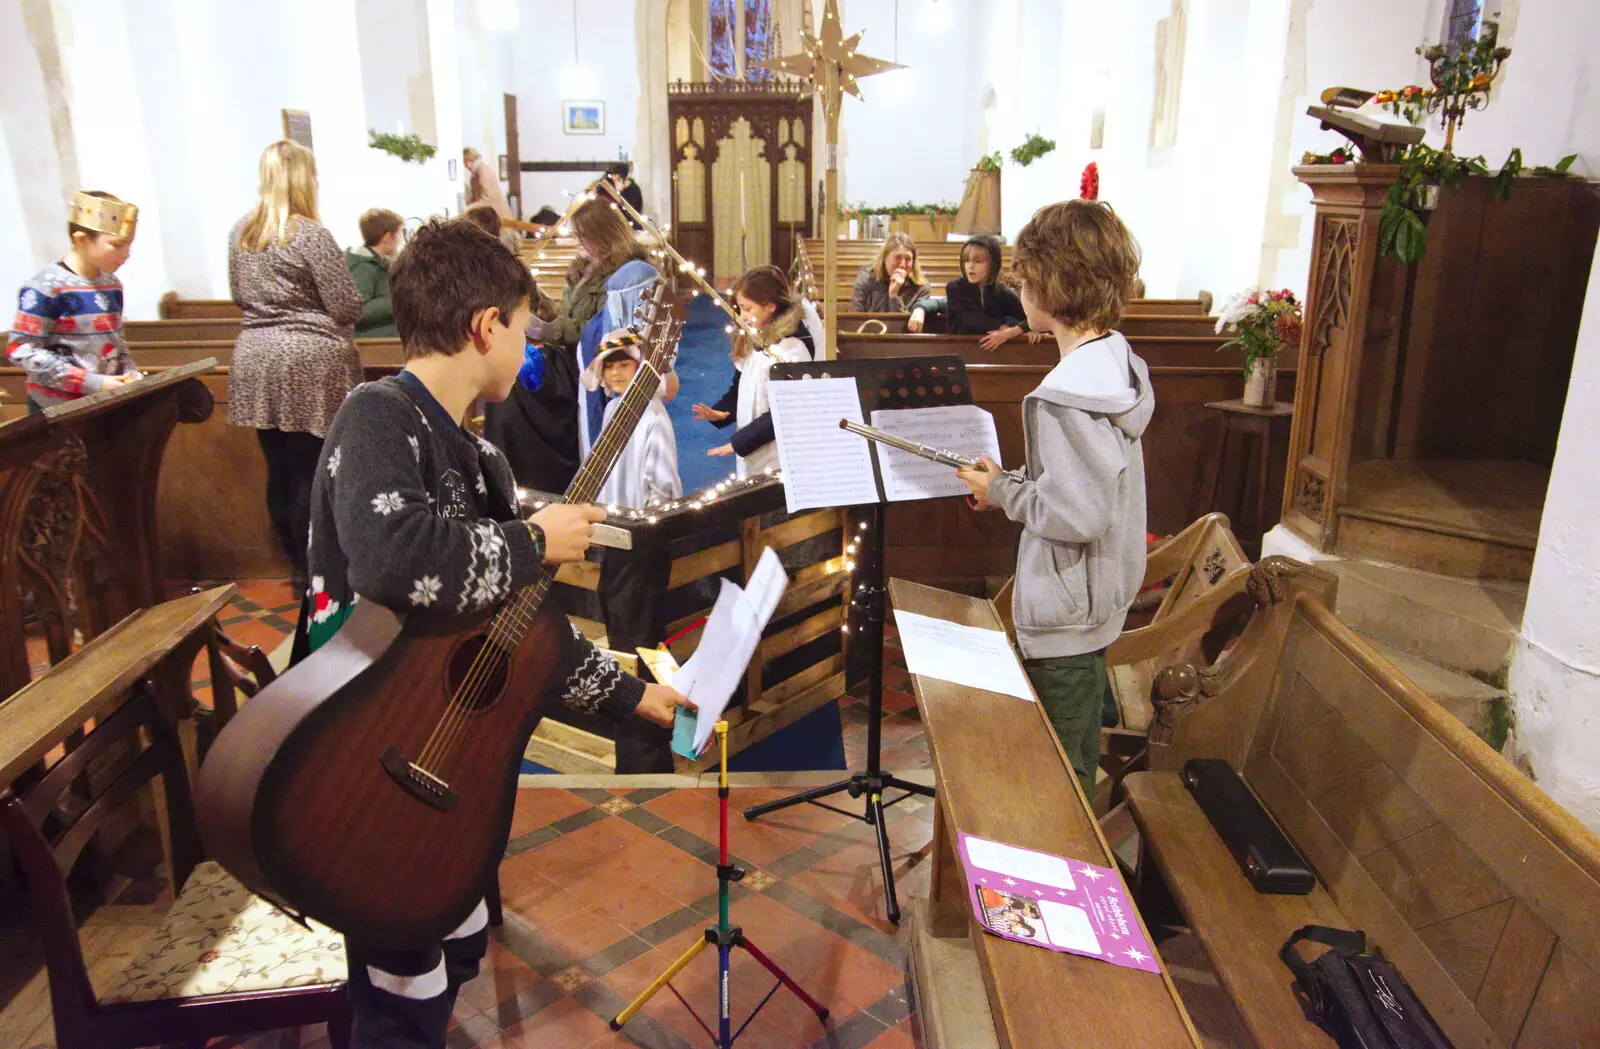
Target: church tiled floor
x: 603, y: 888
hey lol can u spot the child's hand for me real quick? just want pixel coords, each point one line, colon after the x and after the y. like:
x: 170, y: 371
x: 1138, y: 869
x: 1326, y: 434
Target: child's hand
x: 566, y: 528
x: 999, y: 337
x: 120, y: 380
x: 978, y: 480
x: 721, y: 449
x: 660, y: 704
x: 1038, y: 336
x: 915, y: 322
x: 706, y: 413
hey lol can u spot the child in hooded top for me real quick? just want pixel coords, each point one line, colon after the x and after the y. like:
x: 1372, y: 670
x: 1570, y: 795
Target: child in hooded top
x: 978, y: 304
x: 787, y: 329
x: 1080, y: 496
x: 647, y: 471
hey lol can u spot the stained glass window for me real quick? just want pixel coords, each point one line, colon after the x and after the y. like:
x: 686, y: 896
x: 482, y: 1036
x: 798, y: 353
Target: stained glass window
x: 757, y: 38
x: 720, y: 44
x: 1462, y: 18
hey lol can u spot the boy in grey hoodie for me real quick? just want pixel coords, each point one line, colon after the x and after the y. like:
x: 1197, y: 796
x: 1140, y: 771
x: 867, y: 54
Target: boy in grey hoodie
x: 1080, y: 497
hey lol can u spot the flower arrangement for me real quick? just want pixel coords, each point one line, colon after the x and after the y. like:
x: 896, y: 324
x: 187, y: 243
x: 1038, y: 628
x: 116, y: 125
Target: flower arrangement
x: 1264, y: 323
x: 989, y: 162
x: 1345, y: 154
x: 406, y: 147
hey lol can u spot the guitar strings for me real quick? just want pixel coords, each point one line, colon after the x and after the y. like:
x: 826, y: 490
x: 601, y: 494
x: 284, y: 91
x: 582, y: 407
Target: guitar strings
x: 518, y: 613
x: 457, y: 718
x: 520, y: 619
x: 517, y: 616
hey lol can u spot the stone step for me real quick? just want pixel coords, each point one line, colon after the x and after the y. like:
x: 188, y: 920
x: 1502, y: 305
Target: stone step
x: 1464, y: 624
x: 1476, y: 704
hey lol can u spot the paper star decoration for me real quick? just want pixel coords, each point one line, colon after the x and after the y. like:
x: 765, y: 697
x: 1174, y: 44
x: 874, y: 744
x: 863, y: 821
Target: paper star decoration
x: 831, y: 62
x: 1136, y: 954
x: 1090, y: 873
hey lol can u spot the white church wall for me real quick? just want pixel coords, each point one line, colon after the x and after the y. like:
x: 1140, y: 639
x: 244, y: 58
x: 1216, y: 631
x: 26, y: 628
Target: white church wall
x: 1555, y: 671
x: 193, y: 112
x: 604, y: 68
x: 909, y: 141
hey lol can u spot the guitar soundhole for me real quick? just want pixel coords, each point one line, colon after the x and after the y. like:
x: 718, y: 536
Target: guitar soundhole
x: 477, y: 682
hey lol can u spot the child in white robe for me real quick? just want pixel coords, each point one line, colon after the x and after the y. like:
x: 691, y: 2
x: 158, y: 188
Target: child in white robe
x: 646, y: 473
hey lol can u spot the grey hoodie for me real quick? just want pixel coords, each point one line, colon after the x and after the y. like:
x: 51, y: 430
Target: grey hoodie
x: 1080, y: 500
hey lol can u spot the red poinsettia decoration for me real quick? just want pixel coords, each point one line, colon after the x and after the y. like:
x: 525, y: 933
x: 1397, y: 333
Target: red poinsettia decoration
x: 1089, y: 186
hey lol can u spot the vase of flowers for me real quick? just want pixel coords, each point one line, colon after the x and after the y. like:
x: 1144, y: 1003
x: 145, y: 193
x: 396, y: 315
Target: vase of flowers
x: 1264, y: 324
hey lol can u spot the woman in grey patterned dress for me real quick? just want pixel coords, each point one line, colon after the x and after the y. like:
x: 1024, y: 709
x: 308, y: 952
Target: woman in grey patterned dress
x: 296, y: 357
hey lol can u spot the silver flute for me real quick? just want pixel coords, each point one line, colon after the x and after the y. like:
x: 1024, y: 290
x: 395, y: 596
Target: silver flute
x: 938, y: 455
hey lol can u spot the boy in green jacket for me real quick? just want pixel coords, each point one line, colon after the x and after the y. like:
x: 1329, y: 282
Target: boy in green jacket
x: 369, y: 266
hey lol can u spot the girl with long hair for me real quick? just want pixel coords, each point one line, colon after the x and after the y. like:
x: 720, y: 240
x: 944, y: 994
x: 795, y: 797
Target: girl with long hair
x: 295, y: 359
x: 786, y: 329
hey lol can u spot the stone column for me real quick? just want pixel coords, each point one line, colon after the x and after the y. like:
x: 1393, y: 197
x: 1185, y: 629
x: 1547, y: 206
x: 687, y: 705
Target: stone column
x: 652, y: 150
x: 1555, y: 669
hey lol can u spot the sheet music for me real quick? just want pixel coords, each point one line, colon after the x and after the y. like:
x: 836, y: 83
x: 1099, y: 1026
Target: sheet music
x: 966, y: 655
x: 822, y: 464
x: 732, y: 634
x: 962, y: 428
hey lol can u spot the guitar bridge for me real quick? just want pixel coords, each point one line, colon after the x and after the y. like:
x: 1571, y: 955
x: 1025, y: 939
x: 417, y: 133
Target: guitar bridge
x: 418, y: 781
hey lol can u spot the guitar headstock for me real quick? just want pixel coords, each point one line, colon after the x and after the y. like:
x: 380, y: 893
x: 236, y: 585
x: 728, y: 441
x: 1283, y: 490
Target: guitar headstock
x: 658, y: 327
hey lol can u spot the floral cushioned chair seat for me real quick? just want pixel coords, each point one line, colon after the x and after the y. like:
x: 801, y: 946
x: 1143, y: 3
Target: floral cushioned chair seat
x: 219, y: 938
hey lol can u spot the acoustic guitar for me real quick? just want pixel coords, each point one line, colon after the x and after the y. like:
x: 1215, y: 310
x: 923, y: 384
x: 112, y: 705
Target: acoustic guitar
x: 371, y: 786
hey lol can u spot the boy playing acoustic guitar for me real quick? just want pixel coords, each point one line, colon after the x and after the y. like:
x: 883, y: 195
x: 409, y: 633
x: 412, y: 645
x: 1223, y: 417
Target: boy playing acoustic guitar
x: 415, y: 513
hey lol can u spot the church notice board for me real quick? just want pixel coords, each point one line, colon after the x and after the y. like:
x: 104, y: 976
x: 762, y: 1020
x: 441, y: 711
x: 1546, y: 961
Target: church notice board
x: 1002, y: 776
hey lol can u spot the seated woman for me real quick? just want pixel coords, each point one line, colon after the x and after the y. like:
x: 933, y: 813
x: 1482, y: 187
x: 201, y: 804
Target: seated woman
x: 893, y: 283
x: 979, y: 304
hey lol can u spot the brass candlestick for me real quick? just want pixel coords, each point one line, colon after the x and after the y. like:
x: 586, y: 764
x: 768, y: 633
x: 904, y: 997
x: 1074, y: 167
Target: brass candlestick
x: 1462, y: 76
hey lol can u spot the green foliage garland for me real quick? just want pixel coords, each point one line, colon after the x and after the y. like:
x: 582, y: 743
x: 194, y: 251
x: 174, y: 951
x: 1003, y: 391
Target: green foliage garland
x: 406, y: 147
x: 1033, y: 147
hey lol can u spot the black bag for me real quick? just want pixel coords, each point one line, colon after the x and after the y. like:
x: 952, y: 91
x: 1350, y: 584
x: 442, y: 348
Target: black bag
x: 1359, y: 998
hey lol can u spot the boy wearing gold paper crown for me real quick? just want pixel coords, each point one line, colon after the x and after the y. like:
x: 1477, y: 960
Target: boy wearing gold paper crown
x: 67, y: 334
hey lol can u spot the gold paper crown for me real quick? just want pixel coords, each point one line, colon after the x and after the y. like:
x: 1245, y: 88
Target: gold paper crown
x: 114, y: 217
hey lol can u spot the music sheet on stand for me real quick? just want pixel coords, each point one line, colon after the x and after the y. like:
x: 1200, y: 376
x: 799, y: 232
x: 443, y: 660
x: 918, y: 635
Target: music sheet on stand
x: 962, y: 428
x: 822, y: 465
x: 729, y: 642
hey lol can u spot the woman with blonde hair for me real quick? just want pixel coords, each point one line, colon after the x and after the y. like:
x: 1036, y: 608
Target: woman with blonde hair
x: 894, y: 282
x: 546, y: 432
x: 295, y: 359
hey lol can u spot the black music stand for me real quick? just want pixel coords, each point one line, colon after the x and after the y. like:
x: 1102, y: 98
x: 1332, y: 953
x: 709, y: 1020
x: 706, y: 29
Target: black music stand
x: 887, y: 382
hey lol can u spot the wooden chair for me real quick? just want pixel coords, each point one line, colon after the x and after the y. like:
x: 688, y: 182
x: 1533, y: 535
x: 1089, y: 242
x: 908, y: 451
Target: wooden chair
x: 223, y: 962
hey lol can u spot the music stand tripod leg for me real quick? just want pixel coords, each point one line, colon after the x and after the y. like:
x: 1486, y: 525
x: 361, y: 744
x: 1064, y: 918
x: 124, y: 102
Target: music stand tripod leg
x: 723, y: 935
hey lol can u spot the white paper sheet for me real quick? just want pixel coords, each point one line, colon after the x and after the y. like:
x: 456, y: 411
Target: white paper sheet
x: 822, y: 464
x: 1020, y: 863
x: 729, y: 641
x: 962, y: 428
x: 967, y: 655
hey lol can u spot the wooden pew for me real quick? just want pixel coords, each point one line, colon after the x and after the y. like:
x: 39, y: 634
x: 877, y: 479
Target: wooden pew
x: 173, y: 307
x: 968, y: 548
x: 1481, y: 890
x: 1001, y: 775
x: 1132, y: 324
x: 81, y: 589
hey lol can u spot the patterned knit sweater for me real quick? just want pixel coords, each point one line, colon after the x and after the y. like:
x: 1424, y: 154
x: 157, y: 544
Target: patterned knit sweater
x: 411, y: 511
x: 67, y: 334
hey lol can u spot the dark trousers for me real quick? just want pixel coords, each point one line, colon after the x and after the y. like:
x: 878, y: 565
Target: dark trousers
x: 633, y: 586
x: 291, y: 467
x: 403, y: 999
x: 1072, y: 690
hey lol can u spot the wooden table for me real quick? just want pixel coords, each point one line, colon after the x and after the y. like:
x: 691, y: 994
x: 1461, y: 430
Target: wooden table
x: 1265, y: 434
x: 1002, y: 775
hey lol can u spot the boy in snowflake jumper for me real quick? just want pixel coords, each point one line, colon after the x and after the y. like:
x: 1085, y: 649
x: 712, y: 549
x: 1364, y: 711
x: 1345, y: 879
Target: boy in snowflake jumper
x: 412, y: 511
x: 67, y: 334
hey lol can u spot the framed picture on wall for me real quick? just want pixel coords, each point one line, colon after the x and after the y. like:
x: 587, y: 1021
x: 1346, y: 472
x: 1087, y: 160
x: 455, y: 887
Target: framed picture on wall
x: 580, y: 117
